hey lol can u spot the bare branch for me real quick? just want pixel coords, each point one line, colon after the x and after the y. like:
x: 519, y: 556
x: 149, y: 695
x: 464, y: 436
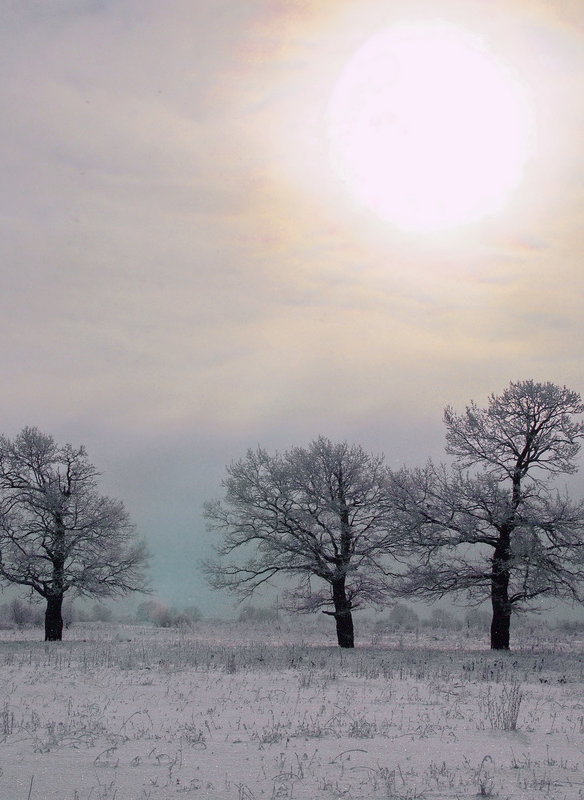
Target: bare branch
x: 57, y: 533
x: 321, y: 512
x: 493, y: 525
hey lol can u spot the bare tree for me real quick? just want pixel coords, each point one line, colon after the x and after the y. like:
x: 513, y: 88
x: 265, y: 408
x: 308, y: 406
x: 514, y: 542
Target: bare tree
x: 493, y: 525
x: 57, y: 534
x: 318, y: 513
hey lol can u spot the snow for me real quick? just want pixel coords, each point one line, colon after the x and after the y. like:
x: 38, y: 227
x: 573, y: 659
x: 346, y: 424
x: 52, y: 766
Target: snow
x: 232, y: 712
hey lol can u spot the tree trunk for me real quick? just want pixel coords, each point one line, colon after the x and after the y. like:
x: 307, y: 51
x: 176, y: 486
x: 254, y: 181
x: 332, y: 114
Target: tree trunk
x: 501, y: 621
x: 500, y: 625
x: 342, y: 615
x: 54, y: 618
x: 53, y: 614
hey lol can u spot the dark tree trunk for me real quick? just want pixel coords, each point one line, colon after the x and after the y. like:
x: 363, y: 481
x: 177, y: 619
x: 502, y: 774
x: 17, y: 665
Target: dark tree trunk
x: 501, y: 621
x: 53, y: 614
x: 342, y: 615
x: 500, y: 625
x: 345, y: 632
x: 54, y: 618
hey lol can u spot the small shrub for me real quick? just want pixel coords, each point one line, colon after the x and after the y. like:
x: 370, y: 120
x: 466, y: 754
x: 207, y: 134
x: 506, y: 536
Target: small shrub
x: 570, y: 625
x: 404, y: 617
x: 477, y: 619
x: 69, y: 613
x: 101, y: 613
x: 361, y: 728
x: 440, y: 618
x: 20, y: 612
x: 6, y: 721
x: 486, y: 777
x: 163, y: 616
x: 502, y: 711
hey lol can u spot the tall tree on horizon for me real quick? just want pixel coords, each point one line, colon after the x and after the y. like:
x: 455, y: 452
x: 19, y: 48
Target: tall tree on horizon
x: 493, y: 525
x: 319, y: 514
x: 57, y: 533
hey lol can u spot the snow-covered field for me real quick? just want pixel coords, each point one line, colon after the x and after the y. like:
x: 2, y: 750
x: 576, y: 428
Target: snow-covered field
x: 232, y: 712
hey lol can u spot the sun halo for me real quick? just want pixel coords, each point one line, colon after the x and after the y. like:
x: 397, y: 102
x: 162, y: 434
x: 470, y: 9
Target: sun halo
x: 427, y: 129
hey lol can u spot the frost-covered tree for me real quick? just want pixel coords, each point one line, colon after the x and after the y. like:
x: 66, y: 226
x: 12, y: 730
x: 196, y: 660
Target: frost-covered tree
x: 319, y: 514
x: 493, y: 525
x: 57, y: 533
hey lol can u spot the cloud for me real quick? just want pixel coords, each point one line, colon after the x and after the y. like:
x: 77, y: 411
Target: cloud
x: 183, y: 277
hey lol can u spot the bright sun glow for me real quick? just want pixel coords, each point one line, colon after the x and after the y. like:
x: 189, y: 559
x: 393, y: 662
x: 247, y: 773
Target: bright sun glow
x: 427, y: 128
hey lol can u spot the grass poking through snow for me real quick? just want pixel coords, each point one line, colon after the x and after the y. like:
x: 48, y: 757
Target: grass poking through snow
x: 226, y: 713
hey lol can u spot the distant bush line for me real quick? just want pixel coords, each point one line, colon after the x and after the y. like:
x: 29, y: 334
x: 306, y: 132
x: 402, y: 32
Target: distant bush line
x: 18, y: 614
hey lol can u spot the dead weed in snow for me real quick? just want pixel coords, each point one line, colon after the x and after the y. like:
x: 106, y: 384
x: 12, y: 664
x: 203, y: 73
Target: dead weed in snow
x: 145, y: 714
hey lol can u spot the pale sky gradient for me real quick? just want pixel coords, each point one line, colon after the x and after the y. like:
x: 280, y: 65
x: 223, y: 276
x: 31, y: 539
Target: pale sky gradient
x: 185, y: 277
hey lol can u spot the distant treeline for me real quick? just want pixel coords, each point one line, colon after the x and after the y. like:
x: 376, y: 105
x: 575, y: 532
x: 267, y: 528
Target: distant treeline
x: 19, y: 614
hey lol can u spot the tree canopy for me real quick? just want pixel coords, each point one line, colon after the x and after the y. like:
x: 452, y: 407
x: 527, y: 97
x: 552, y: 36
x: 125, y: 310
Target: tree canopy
x: 493, y: 524
x: 319, y: 514
x: 57, y: 533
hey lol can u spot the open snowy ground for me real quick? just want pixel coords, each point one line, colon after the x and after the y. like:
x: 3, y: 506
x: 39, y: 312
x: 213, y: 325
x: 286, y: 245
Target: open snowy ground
x: 231, y: 712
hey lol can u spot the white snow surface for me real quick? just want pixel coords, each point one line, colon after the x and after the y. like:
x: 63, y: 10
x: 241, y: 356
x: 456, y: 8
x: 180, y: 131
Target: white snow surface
x: 227, y: 711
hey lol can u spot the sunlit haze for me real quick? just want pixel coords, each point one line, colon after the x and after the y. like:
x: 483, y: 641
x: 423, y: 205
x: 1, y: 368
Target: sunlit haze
x: 235, y: 223
x: 427, y: 129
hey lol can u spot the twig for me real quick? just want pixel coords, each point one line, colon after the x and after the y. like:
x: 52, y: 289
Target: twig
x: 352, y: 750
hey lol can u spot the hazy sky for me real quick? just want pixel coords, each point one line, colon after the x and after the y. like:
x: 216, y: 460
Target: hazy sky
x: 184, y: 275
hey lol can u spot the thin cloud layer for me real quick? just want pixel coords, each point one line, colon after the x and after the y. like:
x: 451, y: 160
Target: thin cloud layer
x: 181, y: 265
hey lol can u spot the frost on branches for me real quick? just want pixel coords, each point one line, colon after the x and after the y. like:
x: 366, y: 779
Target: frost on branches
x: 493, y: 524
x: 319, y: 514
x: 57, y: 533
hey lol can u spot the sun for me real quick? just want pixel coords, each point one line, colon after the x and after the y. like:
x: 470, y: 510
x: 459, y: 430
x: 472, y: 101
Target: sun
x: 427, y: 128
